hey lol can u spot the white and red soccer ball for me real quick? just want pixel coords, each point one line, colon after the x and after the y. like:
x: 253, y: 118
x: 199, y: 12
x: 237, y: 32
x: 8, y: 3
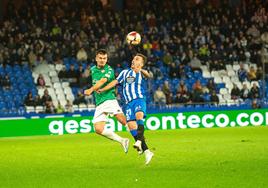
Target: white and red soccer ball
x: 133, y: 38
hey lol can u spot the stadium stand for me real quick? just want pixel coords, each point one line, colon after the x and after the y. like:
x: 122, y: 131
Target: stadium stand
x: 220, y: 46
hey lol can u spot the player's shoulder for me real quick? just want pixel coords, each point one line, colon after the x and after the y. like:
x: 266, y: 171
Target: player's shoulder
x: 126, y: 70
x: 109, y: 68
x: 93, y: 68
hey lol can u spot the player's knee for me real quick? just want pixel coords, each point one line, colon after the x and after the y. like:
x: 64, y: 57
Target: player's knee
x: 121, y: 118
x: 139, y: 115
x: 99, y: 129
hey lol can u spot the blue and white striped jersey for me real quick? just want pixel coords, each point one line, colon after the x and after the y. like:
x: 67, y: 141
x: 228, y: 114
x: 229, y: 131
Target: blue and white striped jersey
x: 133, y: 85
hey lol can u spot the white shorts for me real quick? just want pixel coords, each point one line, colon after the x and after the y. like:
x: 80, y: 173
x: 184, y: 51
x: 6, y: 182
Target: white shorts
x: 109, y: 107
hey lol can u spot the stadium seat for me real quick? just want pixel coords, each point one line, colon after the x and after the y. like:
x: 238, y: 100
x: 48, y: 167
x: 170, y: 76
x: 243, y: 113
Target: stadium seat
x: 65, y: 84
x: 82, y: 107
x: 39, y: 109
x: 30, y: 109
x: 57, y: 85
x: 55, y: 79
x: 206, y: 74
x: 59, y: 67
x: 217, y: 80
x: 91, y: 107
x: 53, y: 73
x: 63, y: 102
x: 236, y: 67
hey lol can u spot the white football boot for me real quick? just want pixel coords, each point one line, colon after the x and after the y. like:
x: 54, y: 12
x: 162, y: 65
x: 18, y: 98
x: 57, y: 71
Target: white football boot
x: 125, y: 144
x: 148, y: 156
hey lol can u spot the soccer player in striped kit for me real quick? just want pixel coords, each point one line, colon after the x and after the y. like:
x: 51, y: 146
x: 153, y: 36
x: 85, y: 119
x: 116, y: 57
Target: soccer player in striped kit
x: 132, y: 81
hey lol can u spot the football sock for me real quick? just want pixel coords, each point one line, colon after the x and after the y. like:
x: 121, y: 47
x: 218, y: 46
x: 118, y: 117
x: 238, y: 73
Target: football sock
x: 111, y: 135
x: 140, y: 130
x: 144, y: 146
x: 134, y: 133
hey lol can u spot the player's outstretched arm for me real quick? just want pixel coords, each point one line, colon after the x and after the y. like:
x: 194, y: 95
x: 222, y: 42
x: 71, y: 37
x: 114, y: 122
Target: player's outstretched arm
x: 96, y: 86
x: 146, y: 74
x: 109, y: 86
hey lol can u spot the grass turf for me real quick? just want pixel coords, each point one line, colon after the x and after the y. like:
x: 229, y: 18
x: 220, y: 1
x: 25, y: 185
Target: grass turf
x: 217, y: 157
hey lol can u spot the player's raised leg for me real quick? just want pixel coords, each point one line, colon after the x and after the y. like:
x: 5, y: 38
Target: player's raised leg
x: 141, y: 143
x: 100, y: 129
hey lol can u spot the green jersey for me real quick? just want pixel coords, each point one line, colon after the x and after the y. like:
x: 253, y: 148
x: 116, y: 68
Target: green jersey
x: 99, y: 73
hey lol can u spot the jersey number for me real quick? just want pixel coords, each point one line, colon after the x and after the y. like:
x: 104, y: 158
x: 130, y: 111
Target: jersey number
x: 128, y: 114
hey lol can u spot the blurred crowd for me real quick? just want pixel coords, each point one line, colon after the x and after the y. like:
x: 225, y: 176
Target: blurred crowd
x: 174, y: 36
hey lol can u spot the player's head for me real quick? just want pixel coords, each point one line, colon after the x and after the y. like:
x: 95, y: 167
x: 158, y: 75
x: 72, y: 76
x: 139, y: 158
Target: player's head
x: 101, y: 57
x: 138, y: 61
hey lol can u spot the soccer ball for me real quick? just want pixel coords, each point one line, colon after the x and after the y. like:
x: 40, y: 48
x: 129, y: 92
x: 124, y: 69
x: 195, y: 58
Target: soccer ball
x: 133, y: 38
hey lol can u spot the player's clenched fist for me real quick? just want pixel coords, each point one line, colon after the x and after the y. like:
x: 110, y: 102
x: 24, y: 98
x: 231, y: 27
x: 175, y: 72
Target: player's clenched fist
x: 88, y: 91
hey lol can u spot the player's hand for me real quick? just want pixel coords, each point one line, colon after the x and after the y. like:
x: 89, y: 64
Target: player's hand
x: 88, y: 91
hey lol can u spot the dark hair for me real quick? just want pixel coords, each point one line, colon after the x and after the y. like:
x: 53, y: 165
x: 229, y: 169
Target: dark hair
x: 144, y: 58
x: 101, y: 51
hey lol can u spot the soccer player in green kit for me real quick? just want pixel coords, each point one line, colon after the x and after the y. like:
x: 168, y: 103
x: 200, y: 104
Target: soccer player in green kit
x: 106, y: 102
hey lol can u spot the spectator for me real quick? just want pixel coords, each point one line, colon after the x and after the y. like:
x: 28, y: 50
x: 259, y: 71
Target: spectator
x: 48, y: 56
x: 242, y: 73
x: 259, y: 73
x: 197, y: 95
x: 6, y: 83
x: 80, y: 99
x: 69, y: 107
x: 255, y: 91
x: 167, y: 59
x: 195, y: 63
x: 147, y: 46
x: 46, y: 98
x: 81, y: 55
x: 182, y: 73
x: 63, y: 73
x: 49, y: 108
x: 235, y: 92
x: 173, y: 73
x: 255, y: 104
x: 38, y: 101
x: 59, y: 108
x: 85, y: 79
x: 168, y: 93
x: 197, y: 86
x: 252, y: 76
x: 29, y: 100
x: 41, y: 81
x: 245, y: 93
x: 72, y: 75
x: 182, y: 95
x: 159, y: 97
x: 214, y: 99
x: 158, y: 74
x: 211, y: 86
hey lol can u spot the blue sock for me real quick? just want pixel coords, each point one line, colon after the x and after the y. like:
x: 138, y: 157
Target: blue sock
x: 134, y: 133
x: 140, y: 122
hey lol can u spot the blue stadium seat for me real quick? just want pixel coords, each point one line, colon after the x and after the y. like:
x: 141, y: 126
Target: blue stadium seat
x: 197, y: 75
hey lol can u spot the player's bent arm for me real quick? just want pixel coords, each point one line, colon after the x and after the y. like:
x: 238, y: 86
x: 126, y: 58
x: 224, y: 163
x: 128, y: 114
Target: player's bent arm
x: 99, y: 84
x: 109, y: 86
x: 146, y: 74
x: 96, y: 86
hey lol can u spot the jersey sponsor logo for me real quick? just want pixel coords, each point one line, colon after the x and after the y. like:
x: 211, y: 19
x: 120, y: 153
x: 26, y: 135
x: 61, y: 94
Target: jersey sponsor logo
x: 102, y: 71
x: 94, y: 81
x: 130, y: 79
x: 107, y: 75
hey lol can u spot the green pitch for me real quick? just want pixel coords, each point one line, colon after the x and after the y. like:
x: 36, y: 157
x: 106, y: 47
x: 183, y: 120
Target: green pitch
x: 216, y: 157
